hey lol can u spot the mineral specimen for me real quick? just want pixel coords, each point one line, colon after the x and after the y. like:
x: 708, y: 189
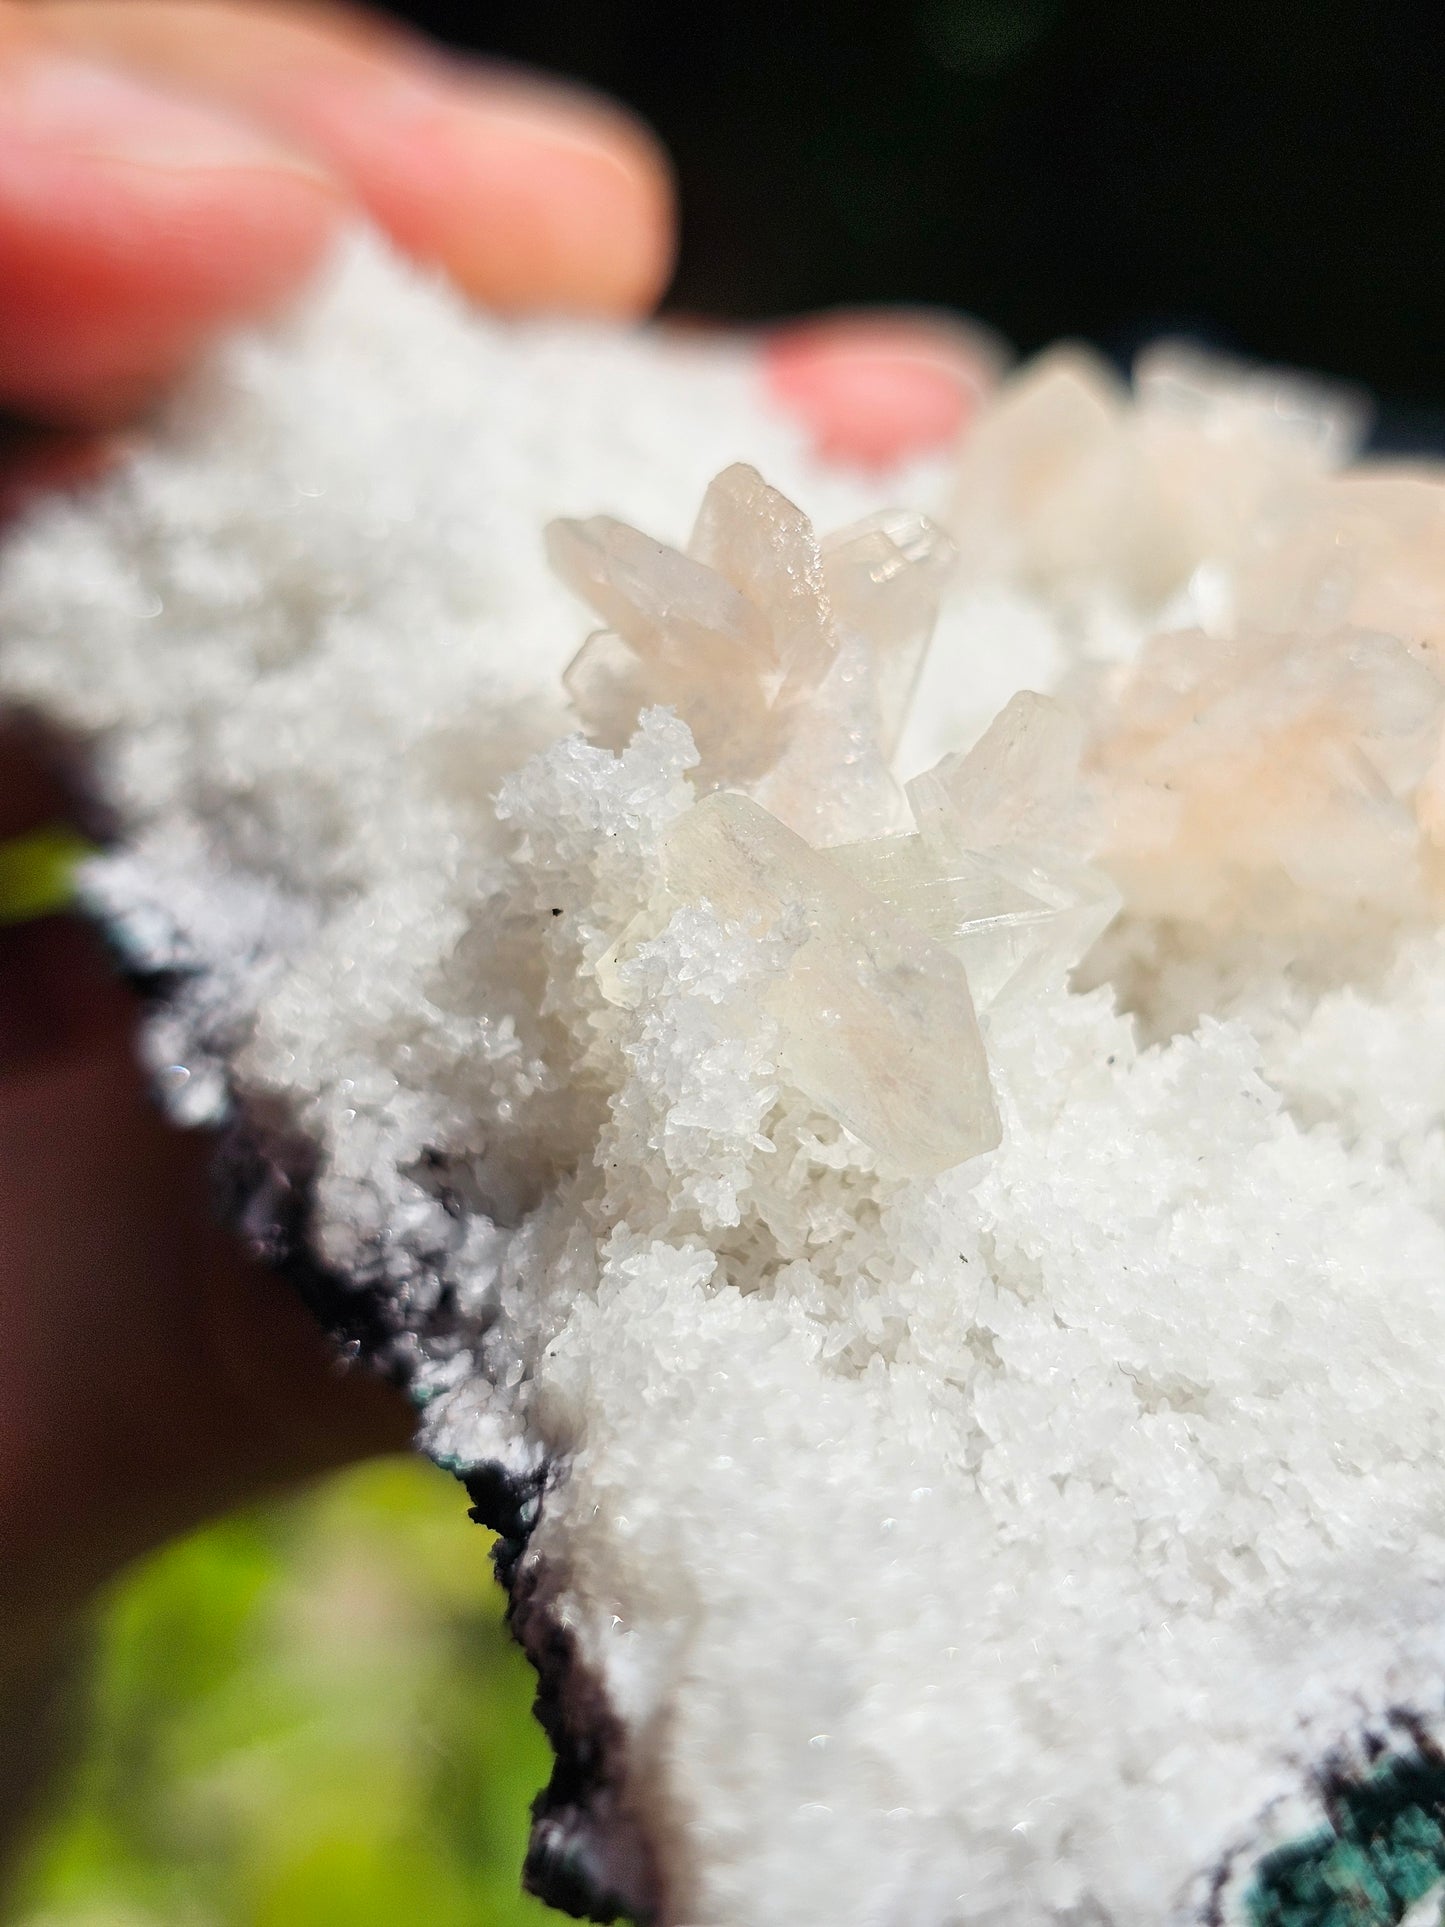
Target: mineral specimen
x: 1257, y: 780
x: 1057, y: 1537
x: 1364, y: 550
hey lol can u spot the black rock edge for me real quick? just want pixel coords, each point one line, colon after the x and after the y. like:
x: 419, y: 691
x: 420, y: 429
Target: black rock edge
x: 589, y: 1855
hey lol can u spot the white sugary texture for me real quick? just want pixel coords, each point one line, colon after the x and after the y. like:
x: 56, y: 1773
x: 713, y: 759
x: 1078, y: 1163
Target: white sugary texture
x: 987, y: 1550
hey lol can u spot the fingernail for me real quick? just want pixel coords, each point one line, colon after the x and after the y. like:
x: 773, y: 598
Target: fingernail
x: 96, y: 114
x: 874, y: 388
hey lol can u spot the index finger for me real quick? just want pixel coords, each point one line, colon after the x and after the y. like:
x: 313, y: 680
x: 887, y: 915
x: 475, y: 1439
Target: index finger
x: 530, y: 193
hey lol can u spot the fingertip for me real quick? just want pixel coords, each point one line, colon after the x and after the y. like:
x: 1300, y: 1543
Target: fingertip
x: 565, y: 202
x: 132, y: 224
x: 874, y: 387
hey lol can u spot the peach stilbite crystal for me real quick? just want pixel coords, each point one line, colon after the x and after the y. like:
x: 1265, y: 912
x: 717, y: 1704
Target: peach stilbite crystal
x: 678, y: 633
x: 884, y: 577
x: 1365, y: 549
x: 1019, y: 782
x: 1038, y: 477
x: 1073, y: 486
x: 1268, y: 779
x: 787, y: 660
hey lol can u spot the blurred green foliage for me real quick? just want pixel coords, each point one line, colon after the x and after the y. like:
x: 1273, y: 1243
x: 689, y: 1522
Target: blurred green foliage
x: 37, y: 872
x: 310, y: 1715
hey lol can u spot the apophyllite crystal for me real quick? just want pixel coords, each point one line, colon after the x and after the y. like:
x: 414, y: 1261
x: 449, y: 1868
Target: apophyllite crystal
x: 793, y: 662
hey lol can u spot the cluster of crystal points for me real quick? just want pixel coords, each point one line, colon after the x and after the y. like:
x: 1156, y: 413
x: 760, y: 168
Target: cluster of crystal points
x: 792, y: 663
x: 1269, y: 747
x: 1073, y: 480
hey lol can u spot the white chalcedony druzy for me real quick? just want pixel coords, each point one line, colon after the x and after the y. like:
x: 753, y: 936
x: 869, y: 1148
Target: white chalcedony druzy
x: 793, y: 663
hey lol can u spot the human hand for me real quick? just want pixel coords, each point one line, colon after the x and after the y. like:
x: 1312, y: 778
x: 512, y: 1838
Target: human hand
x: 168, y: 169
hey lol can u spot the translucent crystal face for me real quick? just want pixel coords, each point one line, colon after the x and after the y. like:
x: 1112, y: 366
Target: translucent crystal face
x: 793, y: 663
x: 1072, y: 486
x: 993, y: 872
x: 1259, y: 780
x: 884, y: 577
x: 1268, y: 733
x: 877, y: 1022
x: 1365, y: 550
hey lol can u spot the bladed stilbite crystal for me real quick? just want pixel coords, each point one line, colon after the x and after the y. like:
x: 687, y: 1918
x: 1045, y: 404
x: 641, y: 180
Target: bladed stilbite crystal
x: 1038, y: 478
x: 786, y: 658
x: 884, y: 578
x: 679, y: 633
x: 1018, y: 784
x: 667, y: 606
x: 761, y: 543
x: 1365, y: 549
x: 1260, y: 781
x: 1016, y: 918
x: 1110, y: 502
x: 732, y: 635
x: 877, y: 1022
x: 990, y: 873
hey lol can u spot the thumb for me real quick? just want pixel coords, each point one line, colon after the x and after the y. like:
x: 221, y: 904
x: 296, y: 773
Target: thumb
x: 151, y: 1375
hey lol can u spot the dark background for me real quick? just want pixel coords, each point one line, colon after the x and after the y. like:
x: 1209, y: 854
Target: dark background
x: 1269, y: 176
